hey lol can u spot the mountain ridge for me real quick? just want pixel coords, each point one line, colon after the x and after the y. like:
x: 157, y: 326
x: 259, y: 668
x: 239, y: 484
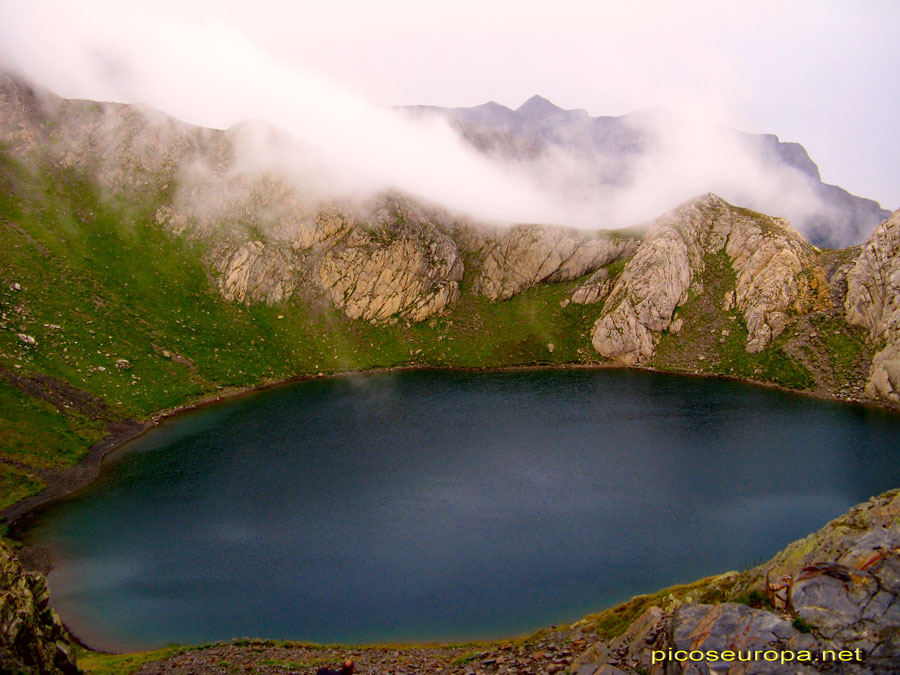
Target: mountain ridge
x: 609, y: 146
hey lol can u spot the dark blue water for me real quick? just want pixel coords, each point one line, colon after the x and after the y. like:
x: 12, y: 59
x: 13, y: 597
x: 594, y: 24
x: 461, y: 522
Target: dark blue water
x: 448, y: 505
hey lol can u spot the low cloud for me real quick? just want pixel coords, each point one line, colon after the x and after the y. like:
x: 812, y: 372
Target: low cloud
x: 206, y: 72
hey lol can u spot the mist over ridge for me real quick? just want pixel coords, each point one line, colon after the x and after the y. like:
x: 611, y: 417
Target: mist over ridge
x: 633, y: 167
x: 536, y: 164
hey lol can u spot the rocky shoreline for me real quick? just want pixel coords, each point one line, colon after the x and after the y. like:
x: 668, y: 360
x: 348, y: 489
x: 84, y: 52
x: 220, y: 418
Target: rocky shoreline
x: 548, y: 652
x: 836, y: 592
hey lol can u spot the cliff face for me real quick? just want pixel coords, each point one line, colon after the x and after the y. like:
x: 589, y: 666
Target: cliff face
x: 32, y: 639
x: 270, y: 238
x: 765, y: 255
x: 525, y: 256
x: 873, y: 302
x: 267, y: 237
x: 144, y: 263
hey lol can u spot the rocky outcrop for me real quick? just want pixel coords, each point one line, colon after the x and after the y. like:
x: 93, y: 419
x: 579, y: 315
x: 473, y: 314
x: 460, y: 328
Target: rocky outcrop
x: 595, y: 289
x: 253, y: 272
x: 407, y: 267
x: 124, y: 148
x: 32, y: 638
x: 527, y: 255
x: 873, y: 302
x: 765, y: 254
x: 835, y: 592
x: 884, y: 375
x: 393, y: 261
x: 21, y: 114
x: 271, y: 235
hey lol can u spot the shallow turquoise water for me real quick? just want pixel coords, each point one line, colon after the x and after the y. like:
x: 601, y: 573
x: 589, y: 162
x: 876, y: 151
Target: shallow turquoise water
x: 448, y: 505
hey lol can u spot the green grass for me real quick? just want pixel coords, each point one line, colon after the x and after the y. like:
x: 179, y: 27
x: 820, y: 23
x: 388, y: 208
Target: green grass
x: 615, y: 268
x: 101, y: 281
x: 755, y: 599
x: 33, y: 432
x: 720, y: 336
x: 773, y: 364
x: 16, y: 484
x: 845, y: 344
x: 802, y: 625
x: 93, y: 663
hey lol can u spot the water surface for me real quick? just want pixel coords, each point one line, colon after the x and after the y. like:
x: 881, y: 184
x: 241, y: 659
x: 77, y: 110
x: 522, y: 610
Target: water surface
x: 448, y: 505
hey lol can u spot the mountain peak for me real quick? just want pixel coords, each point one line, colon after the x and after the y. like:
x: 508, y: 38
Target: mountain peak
x: 538, y: 106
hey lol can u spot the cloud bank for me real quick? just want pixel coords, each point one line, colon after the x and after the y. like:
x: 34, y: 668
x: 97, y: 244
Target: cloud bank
x: 207, y: 71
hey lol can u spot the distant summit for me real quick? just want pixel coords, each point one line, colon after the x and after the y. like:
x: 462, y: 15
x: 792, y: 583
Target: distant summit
x: 608, y: 153
x: 537, y: 107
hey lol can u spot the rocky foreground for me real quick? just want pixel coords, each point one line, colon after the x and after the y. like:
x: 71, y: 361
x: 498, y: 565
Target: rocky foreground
x: 32, y: 638
x: 828, y: 603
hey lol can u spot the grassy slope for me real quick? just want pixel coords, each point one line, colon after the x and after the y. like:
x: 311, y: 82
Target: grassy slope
x: 817, y: 351
x: 101, y: 281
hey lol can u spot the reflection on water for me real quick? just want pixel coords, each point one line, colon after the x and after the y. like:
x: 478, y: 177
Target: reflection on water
x: 448, y: 505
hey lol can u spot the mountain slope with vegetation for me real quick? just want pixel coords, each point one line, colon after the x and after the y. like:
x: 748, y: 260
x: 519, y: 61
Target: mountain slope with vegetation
x: 146, y: 266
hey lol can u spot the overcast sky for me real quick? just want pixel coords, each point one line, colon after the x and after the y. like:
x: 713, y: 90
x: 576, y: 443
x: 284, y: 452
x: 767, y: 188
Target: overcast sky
x: 825, y: 74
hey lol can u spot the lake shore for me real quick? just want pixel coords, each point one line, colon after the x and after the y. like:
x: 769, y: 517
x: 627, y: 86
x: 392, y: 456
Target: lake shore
x: 66, y: 481
x: 133, y: 430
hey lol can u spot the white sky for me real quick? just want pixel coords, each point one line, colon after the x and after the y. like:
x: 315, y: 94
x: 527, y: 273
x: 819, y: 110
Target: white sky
x: 822, y: 73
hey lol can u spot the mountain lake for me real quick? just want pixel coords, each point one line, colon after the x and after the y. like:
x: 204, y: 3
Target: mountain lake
x: 447, y: 505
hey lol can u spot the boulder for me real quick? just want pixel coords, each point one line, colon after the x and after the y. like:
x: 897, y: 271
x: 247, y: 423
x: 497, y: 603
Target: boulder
x: 32, y: 638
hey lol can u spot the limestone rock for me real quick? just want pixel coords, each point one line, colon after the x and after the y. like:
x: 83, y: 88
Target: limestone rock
x: 394, y: 259
x: 873, y: 302
x: 873, y: 285
x: 32, y: 638
x: 766, y: 254
x: 884, y: 375
x: 850, y: 539
x: 21, y: 114
x: 527, y: 255
x: 408, y: 267
x: 254, y: 272
x: 734, y: 627
x: 595, y: 289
